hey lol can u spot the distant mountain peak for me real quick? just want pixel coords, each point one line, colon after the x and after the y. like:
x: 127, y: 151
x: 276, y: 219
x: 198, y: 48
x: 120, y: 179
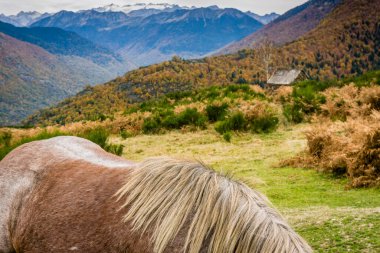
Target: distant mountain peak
x: 23, y: 18
x: 139, y: 6
x: 264, y: 19
x: 214, y: 7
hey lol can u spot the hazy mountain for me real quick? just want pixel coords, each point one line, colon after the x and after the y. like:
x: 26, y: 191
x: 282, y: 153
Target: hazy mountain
x: 149, y: 39
x: 289, y: 26
x: 32, y: 78
x: 23, y: 18
x: 58, y: 41
x: 346, y: 42
x: 265, y: 19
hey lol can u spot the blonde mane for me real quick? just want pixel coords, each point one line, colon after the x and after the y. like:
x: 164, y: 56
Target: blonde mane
x: 164, y: 193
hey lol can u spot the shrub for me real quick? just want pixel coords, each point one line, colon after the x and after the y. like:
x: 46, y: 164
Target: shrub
x: 5, y: 138
x: 306, y: 100
x: 222, y: 127
x: 125, y: 134
x: 293, y: 113
x: 151, y: 126
x: 237, y: 121
x: 350, y: 149
x: 234, y: 123
x: 99, y: 135
x: 114, y: 149
x: 191, y: 116
x: 227, y: 136
x: 265, y: 124
x: 169, y: 120
x: 216, y: 112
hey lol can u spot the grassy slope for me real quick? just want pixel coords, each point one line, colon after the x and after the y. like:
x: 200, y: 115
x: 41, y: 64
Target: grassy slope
x: 331, y: 218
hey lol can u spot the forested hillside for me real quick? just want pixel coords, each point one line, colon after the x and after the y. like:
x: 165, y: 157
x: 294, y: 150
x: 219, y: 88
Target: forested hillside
x: 288, y: 27
x: 32, y: 78
x: 58, y: 41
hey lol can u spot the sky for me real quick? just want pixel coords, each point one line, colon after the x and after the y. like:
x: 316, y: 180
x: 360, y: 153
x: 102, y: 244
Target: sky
x: 261, y: 7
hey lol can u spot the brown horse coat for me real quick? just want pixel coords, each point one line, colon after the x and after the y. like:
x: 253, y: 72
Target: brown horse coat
x: 66, y: 194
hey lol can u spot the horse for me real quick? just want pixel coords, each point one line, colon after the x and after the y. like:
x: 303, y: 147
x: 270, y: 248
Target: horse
x: 66, y: 194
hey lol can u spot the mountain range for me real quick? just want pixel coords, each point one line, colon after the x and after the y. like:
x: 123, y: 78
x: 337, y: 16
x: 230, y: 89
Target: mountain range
x: 148, y: 39
x: 150, y: 33
x: 345, y: 42
x: 23, y: 18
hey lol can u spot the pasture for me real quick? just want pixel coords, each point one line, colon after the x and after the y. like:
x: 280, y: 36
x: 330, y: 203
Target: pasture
x: 329, y: 217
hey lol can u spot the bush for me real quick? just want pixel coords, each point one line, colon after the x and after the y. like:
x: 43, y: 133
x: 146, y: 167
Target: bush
x: 306, y: 100
x: 264, y: 124
x: 151, y: 126
x: 5, y: 138
x: 97, y: 135
x: 237, y: 121
x: 114, y: 149
x: 227, y: 136
x: 169, y: 120
x: 125, y: 134
x: 100, y: 136
x: 222, y: 127
x: 293, y: 113
x: 234, y: 123
x: 216, y: 112
x: 191, y: 117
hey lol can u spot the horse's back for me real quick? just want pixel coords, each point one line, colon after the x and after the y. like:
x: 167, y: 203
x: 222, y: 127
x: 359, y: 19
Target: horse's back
x: 21, y: 169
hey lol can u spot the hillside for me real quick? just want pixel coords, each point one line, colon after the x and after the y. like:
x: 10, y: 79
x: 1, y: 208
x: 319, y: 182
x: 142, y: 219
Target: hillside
x: 289, y: 26
x: 32, y: 78
x: 346, y: 42
x: 58, y: 41
x: 188, y: 33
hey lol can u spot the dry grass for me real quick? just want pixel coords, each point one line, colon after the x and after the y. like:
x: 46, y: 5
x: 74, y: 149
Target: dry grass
x: 349, y: 148
x: 345, y: 137
x: 350, y: 102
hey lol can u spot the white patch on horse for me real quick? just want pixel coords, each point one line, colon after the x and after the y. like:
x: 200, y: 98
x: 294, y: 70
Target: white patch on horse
x: 73, y: 248
x: 81, y: 149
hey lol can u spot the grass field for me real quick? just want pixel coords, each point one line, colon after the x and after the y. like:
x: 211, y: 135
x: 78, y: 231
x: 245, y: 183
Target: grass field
x: 329, y: 217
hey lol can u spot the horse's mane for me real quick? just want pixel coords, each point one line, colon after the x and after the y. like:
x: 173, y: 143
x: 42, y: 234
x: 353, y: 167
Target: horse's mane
x: 164, y: 193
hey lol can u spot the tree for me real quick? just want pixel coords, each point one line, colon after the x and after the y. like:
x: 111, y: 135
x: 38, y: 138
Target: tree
x: 265, y: 53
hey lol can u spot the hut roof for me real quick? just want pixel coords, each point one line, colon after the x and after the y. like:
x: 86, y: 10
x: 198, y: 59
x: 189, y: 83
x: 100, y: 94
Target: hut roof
x: 284, y: 77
